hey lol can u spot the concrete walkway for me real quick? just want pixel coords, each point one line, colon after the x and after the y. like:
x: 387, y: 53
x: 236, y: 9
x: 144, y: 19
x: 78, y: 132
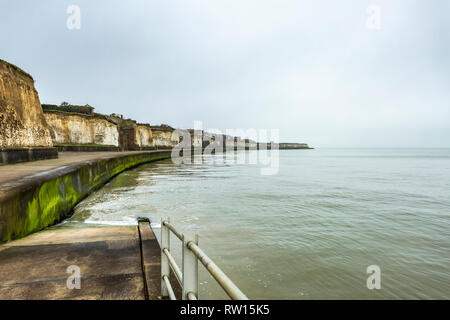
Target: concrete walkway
x: 13, y: 174
x: 112, y: 261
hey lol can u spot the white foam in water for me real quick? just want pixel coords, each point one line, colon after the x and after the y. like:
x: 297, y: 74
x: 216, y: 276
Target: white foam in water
x: 126, y: 222
x: 191, y: 218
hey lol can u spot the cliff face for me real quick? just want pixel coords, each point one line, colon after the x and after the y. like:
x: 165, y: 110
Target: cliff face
x: 162, y: 139
x: 76, y: 129
x: 144, y: 136
x: 22, y: 122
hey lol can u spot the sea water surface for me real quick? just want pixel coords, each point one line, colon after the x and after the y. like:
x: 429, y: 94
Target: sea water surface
x: 308, y: 232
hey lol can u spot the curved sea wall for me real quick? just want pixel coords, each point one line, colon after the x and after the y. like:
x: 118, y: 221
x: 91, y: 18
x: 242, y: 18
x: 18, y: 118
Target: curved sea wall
x: 45, y: 199
x: 81, y: 129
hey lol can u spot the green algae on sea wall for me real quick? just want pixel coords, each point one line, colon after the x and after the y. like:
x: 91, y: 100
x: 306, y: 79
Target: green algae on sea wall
x: 38, y: 206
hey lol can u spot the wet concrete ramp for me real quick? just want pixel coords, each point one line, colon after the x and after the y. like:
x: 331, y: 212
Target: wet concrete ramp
x: 110, y: 260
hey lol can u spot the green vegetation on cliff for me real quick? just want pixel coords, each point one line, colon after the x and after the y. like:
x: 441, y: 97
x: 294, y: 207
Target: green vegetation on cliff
x: 66, y: 107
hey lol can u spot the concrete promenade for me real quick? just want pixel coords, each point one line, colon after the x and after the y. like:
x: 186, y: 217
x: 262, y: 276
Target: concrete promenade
x: 38, y: 194
x: 13, y: 174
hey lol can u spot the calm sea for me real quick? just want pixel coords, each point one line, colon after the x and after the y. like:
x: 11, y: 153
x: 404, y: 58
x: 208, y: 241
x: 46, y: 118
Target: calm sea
x: 308, y: 232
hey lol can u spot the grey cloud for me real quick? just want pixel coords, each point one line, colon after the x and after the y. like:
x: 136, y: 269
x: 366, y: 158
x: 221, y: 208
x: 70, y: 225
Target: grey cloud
x: 312, y: 69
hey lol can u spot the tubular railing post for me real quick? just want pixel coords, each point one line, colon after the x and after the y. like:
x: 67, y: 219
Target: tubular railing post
x: 190, y: 268
x: 165, y: 267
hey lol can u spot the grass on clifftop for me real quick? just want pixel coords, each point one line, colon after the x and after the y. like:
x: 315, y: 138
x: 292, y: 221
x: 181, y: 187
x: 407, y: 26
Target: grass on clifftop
x: 16, y: 68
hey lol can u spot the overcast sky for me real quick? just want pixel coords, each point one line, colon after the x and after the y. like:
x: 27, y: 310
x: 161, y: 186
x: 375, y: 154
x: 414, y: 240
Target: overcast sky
x: 312, y: 69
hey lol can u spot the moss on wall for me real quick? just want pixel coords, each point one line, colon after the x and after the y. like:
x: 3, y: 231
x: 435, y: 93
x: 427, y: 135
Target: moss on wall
x: 32, y: 209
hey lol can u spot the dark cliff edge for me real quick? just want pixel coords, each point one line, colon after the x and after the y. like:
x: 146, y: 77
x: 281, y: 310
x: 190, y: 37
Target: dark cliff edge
x: 289, y: 146
x: 284, y: 146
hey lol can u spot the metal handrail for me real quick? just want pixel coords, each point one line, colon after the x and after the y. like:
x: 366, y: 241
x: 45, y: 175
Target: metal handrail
x: 169, y: 287
x: 173, y: 264
x: 191, y: 296
x: 228, y: 286
x: 172, y: 228
x: 188, y: 278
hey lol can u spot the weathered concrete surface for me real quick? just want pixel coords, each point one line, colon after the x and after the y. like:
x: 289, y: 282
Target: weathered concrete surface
x: 151, y: 263
x: 151, y: 260
x: 85, y: 148
x: 39, y: 194
x: 109, y: 259
x: 17, y: 155
x: 14, y: 175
